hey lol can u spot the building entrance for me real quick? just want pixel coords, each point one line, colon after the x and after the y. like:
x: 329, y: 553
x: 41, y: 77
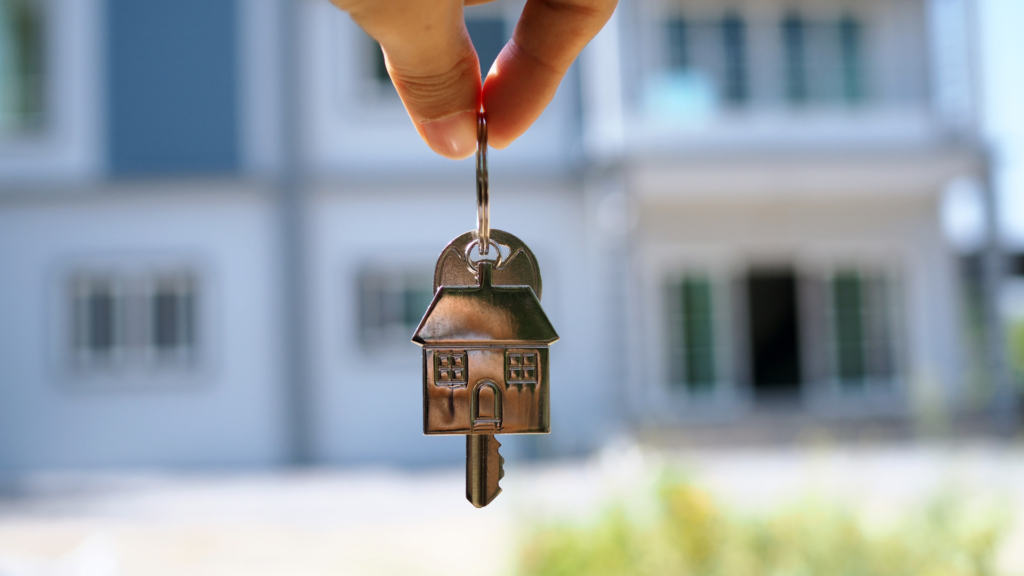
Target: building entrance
x: 774, y: 334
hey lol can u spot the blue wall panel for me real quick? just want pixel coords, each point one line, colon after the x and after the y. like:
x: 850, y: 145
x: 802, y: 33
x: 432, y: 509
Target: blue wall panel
x: 172, y: 87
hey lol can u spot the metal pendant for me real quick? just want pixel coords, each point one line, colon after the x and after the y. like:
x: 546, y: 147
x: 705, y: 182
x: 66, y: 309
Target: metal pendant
x: 485, y: 342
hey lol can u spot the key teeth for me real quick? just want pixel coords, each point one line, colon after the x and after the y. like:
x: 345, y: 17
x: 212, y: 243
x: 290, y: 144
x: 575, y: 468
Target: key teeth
x: 484, y: 468
x: 501, y: 460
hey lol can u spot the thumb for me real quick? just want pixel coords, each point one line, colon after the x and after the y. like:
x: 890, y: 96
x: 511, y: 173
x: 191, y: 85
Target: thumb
x: 433, y: 65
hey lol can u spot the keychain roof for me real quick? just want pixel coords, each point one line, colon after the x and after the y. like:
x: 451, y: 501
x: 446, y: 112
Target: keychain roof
x: 493, y: 314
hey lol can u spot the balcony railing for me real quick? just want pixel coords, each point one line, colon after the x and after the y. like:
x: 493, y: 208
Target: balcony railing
x: 697, y: 68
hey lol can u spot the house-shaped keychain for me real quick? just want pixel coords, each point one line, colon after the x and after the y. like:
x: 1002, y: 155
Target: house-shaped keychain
x: 485, y: 360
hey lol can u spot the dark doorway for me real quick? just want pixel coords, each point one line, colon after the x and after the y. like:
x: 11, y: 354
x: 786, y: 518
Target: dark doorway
x: 774, y: 336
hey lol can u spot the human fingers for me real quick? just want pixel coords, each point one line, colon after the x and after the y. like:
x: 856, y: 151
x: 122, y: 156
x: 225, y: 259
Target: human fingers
x: 432, y: 64
x: 548, y: 37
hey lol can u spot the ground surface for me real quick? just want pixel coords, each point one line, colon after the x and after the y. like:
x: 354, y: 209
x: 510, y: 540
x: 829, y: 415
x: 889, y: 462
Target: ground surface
x: 381, y: 521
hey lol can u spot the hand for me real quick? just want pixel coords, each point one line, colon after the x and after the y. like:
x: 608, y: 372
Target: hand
x: 435, y: 69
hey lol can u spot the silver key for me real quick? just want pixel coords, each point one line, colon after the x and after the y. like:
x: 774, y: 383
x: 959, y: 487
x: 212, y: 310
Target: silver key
x: 485, y: 360
x: 485, y: 343
x: 513, y: 264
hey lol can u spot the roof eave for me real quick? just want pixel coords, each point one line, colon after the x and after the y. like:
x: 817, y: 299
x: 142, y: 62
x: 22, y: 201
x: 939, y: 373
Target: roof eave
x: 484, y: 343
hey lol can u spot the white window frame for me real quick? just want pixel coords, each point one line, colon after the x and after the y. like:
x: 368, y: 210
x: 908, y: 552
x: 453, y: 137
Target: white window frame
x: 659, y: 398
x: 135, y: 361
x: 864, y: 273
x: 8, y: 50
x: 825, y: 394
x: 895, y: 71
x: 70, y: 144
x: 389, y: 336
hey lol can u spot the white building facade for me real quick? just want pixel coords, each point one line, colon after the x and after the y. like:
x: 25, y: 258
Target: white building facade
x: 734, y: 207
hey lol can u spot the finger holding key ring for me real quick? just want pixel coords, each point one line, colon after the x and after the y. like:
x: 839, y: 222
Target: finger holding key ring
x: 483, y: 198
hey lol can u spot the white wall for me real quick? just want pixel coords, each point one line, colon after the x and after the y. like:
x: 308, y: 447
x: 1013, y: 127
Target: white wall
x: 227, y: 411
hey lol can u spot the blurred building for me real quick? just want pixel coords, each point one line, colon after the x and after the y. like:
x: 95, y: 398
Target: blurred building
x: 218, y: 229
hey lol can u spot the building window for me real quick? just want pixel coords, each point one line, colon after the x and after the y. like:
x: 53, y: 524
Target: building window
x: 380, y: 66
x: 21, y: 65
x: 823, y: 60
x: 692, y: 341
x: 706, y: 64
x: 794, y: 32
x: 861, y: 328
x: 734, y: 47
x: 391, y: 305
x: 172, y: 306
x: 850, y: 34
x: 123, y: 319
x: 489, y: 35
x: 377, y: 70
x: 98, y: 310
x: 678, y: 46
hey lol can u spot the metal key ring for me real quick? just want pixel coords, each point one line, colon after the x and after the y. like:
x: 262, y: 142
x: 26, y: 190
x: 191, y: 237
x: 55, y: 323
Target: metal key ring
x: 483, y: 198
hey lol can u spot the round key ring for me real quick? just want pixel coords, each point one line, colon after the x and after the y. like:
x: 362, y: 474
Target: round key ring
x: 483, y: 197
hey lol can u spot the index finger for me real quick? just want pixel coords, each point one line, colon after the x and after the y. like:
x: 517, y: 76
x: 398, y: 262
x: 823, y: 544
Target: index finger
x: 548, y: 38
x: 432, y: 63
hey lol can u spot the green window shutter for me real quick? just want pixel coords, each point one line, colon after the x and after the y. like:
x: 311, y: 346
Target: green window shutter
x: 851, y: 33
x: 22, y: 74
x: 692, y: 351
x: 848, y: 314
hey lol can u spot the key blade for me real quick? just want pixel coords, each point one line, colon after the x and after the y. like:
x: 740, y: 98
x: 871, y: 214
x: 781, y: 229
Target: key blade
x: 484, y: 467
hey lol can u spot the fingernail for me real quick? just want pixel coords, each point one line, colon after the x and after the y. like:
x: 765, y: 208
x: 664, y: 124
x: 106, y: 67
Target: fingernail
x: 452, y: 136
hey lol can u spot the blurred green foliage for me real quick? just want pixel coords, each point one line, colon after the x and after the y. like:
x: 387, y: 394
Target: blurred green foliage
x: 689, y: 534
